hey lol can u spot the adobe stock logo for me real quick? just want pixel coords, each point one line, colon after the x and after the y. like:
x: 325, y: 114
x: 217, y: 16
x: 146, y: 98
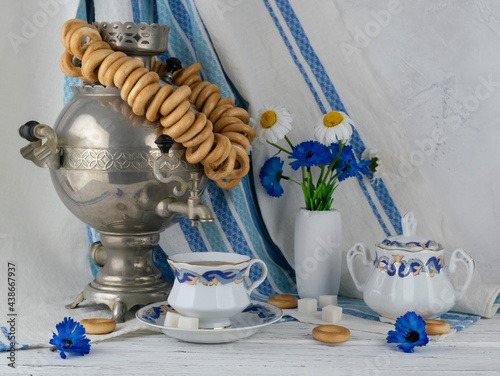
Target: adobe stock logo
x: 30, y: 26
x: 371, y: 30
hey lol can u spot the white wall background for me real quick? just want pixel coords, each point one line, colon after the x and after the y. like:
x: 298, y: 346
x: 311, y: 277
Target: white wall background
x: 437, y: 61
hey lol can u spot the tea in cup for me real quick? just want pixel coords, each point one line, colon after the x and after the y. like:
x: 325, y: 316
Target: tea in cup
x: 210, y: 286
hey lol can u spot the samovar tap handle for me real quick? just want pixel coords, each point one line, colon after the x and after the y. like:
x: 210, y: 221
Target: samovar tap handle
x: 46, y: 154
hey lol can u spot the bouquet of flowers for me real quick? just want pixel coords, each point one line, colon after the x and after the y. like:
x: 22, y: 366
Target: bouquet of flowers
x: 329, y: 153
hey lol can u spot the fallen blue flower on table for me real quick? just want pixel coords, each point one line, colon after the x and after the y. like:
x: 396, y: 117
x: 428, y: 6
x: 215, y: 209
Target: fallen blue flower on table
x: 70, y: 338
x: 409, y: 333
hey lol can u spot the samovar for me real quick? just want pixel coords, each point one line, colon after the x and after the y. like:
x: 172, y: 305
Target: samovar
x: 117, y: 173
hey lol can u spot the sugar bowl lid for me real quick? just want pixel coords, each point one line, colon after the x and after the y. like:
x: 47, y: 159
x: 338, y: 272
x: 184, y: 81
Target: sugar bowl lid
x: 409, y: 240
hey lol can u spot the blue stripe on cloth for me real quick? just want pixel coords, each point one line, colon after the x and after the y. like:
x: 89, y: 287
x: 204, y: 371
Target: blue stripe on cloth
x: 234, y: 234
x: 182, y: 17
x: 278, y: 277
x: 211, y: 230
x: 334, y: 101
x: 145, y: 7
x: 160, y: 260
x: 358, y: 308
x: 175, y: 40
x: 374, y: 209
x: 192, y: 235
x: 136, y: 11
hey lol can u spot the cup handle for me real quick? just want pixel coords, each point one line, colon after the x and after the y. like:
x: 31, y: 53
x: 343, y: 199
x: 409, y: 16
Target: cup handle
x: 460, y: 255
x: 260, y: 279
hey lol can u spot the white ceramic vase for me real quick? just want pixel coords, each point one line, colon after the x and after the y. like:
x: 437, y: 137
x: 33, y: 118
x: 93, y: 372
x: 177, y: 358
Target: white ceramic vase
x: 318, y: 252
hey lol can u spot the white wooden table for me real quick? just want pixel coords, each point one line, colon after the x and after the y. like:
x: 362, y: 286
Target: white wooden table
x: 280, y: 349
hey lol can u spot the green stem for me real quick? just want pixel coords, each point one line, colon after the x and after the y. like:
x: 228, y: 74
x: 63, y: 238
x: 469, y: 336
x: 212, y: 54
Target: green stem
x: 289, y: 143
x: 277, y: 146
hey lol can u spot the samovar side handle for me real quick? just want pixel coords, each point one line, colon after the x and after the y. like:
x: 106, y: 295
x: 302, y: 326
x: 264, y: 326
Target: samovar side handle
x: 46, y: 154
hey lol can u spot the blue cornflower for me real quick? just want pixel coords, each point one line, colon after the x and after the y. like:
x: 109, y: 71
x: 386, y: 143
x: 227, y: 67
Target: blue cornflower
x: 409, y: 333
x: 308, y: 154
x: 348, y: 166
x: 270, y: 175
x: 70, y: 337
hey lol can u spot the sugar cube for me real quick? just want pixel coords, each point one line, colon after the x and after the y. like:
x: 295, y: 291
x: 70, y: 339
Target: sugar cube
x: 325, y: 300
x: 188, y: 322
x: 331, y: 313
x: 307, y: 305
x: 172, y: 319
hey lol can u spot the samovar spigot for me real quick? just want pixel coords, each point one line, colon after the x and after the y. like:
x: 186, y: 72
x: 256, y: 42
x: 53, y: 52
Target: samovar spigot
x: 194, y: 209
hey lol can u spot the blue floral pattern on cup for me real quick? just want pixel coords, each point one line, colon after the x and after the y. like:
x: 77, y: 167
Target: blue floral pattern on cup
x: 210, y: 278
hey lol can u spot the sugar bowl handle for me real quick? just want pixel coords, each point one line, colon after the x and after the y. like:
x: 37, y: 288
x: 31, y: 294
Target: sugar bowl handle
x: 358, y: 250
x: 460, y: 255
x: 261, y: 279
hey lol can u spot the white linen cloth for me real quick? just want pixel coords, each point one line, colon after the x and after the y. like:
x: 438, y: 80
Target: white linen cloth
x: 49, y: 245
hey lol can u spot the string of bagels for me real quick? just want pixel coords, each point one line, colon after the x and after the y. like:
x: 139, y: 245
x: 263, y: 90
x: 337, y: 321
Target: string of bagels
x: 217, y: 135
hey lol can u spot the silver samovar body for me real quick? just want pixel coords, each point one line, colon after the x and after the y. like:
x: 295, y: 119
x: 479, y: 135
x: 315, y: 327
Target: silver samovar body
x: 117, y: 173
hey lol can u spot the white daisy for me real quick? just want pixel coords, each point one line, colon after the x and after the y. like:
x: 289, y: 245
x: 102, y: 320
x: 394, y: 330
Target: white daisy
x: 274, y: 122
x: 335, y: 126
x: 376, y: 167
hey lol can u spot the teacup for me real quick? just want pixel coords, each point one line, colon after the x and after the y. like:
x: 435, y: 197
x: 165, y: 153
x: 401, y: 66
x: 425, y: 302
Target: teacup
x: 210, y: 286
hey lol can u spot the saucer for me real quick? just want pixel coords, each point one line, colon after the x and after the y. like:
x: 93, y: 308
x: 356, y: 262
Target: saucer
x: 244, y: 324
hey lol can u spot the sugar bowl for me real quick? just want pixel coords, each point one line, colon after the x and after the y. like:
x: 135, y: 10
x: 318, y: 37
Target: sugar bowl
x: 409, y: 274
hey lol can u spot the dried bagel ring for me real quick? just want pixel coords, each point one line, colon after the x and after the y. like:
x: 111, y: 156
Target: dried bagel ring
x: 226, y: 101
x: 196, y: 155
x: 223, y: 122
x: 223, y: 170
x: 67, y: 65
x: 67, y: 26
x: 200, y: 137
x: 130, y: 82
x: 218, y: 111
x: 237, y: 138
x: 92, y: 62
x: 283, y: 301
x: 183, y: 74
x: 238, y: 112
x: 109, y: 75
x: 106, y: 63
x: 205, y: 93
x: 153, y: 112
x: 199, y: 123
x: 196, y: 90
x: 148, y: 78
x: 101, y: 45
x: 331, y: 333
x: 98, y: 326
x: 434, y: 327
x: 220, y: 145
x: 243, y: 163
x: 210, y: 104
x: 241, y: 128
x: 179, y: 95
x: 125, y: 70
x: 77, y: 36
x: 176, y: 114
x: 142, y: 100
x: 181, y: 126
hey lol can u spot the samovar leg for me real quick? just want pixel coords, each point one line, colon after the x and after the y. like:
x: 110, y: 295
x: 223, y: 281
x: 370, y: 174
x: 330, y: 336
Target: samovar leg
x: 119, y: 310
x: 80, y: 298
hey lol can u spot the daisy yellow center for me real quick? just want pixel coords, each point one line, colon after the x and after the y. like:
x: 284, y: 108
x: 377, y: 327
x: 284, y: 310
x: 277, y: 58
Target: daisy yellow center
x: 332, y: 119
x: 268, y: 119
